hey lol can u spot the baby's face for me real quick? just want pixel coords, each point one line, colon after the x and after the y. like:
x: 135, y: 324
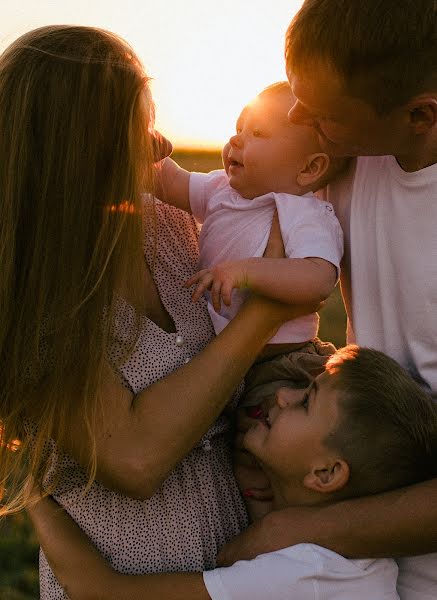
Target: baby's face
x: 267, y: 151
x: 289, y: 438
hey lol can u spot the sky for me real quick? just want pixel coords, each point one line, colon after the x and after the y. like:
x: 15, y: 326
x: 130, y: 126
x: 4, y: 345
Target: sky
x: 207, y: 58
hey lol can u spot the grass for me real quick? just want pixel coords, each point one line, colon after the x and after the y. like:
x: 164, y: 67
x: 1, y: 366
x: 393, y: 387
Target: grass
x: 18, y: 545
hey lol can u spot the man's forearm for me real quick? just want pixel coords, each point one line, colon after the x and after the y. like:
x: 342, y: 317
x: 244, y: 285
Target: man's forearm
x: 399, y: 523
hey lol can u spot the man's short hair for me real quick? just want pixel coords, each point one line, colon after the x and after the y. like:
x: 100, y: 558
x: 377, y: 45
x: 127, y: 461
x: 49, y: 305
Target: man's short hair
x: 385, y: 50
x: 387, y: 428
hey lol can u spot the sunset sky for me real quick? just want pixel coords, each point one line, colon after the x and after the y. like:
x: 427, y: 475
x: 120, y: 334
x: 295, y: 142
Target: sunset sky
x: 207, y: 57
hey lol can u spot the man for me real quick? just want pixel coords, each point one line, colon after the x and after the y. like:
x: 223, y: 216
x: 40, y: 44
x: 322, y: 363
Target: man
x: 369, y: 88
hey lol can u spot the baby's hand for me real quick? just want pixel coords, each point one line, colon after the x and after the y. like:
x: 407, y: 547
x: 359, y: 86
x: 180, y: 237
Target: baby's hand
x: 220, y: 280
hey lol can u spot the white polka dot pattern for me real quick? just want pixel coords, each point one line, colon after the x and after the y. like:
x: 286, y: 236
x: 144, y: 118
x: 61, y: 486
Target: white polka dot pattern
x: 198, y: 508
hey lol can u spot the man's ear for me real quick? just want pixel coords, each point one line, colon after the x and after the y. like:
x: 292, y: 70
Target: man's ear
x: 422, y: 113
x: 328, y: 478
x: 315, y: 167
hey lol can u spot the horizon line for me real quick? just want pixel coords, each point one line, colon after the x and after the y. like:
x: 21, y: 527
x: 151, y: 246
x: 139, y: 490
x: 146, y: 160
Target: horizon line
x: 194, y: 148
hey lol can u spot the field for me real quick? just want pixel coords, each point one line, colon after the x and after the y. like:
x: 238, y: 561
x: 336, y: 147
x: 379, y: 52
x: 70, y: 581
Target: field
x: 18, y: 547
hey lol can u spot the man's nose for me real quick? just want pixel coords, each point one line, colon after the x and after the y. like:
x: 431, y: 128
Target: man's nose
x: 299, y: 115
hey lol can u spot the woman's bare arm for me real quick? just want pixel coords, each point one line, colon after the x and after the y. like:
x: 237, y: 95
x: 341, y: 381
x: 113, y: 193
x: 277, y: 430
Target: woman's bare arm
x: 68, y: 549
x: 398, y: 523
x: 140, y: 439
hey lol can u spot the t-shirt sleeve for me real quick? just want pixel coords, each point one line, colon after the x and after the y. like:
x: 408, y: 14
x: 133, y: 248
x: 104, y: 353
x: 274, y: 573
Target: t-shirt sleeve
x: 271, y: 575
x: 311, y: 230
x: 202, y: 188
x: 304, y: 571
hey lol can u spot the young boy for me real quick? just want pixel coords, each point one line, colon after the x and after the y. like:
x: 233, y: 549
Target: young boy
x: 270, y: 165
x: 362, y: 427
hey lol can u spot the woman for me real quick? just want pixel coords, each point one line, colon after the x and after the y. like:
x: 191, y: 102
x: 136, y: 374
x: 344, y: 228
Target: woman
x: 112, y: 382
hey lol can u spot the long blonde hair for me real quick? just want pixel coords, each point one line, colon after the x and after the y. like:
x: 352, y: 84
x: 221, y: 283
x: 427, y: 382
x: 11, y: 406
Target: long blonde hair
x: 75, y: 155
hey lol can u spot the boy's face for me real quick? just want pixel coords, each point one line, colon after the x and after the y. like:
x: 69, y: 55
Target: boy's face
x: 346, y: 126
x: 289, y: 441
x: 267, y: 151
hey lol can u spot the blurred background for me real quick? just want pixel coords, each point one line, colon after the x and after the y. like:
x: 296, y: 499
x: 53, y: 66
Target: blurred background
x: 207, y: 59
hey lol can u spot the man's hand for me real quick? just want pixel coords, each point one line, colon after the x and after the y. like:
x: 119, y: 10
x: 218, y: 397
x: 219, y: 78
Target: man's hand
x: 277, y: 530
x: 220, y: 280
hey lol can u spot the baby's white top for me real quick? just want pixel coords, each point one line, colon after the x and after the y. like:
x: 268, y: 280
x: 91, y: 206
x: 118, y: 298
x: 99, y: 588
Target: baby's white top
x: 234, y: 228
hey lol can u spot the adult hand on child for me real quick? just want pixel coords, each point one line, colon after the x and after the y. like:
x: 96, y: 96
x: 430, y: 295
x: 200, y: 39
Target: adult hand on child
x: 275, y: 243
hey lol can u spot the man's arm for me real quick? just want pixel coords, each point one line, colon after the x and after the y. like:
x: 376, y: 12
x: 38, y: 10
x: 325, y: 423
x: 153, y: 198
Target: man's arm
x: 172, y: 184
x: 68, y: 549
x: 398, y: 523
x: 289, y: 280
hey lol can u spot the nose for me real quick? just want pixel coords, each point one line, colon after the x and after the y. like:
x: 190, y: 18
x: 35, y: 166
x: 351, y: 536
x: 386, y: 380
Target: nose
x: 236, y: 140
x: 162, y: 147
x: 284, y: 396
x: 299, y: 115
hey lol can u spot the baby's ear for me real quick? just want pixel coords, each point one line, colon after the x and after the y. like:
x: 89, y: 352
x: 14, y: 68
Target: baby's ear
x: 314, y: 169
x: 328, y: 478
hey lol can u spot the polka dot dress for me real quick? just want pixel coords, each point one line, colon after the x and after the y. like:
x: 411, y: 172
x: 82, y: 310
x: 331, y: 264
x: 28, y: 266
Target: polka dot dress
x: 198, y: 508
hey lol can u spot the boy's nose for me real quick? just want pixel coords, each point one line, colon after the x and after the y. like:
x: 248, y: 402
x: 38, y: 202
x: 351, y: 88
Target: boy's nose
x: 299, y: 115
x: 284, y: 396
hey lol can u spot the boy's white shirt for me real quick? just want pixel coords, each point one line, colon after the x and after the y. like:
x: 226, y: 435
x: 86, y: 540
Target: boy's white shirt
x: 304, y: 572
x: 389, y: 282
x: 234, y: 228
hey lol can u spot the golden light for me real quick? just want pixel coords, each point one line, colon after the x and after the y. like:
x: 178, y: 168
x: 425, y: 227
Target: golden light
x: 13, y: 446
x: 207, y: 58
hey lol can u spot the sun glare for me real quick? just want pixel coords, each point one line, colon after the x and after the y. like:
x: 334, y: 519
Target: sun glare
x: 207, y: 58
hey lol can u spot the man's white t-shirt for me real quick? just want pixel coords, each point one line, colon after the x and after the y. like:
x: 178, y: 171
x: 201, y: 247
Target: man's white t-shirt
x: 304, y: 572
x: 235, y: 228
x: 389, y: 283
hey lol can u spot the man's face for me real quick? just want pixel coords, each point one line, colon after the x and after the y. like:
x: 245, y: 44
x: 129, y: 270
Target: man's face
x: 289, y: 440
x: 346, y: 126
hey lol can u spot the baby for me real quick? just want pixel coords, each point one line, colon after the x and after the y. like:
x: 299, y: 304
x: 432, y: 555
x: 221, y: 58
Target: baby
x: 270, y: 166
x: 361, y: 427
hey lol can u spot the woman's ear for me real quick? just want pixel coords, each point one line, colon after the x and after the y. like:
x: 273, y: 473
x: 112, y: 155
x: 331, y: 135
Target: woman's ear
x: 314, y: 169
x: 422, y: 113
x: 328, y: 478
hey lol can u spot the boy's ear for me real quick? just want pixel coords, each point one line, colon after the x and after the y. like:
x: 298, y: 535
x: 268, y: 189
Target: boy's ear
x: 328, y: 478
x: 422, y: 113
x: 314, y: 168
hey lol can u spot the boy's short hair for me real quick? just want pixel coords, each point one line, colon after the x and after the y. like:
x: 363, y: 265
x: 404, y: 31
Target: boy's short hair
x: 385, y: 50
x: 387, y: 429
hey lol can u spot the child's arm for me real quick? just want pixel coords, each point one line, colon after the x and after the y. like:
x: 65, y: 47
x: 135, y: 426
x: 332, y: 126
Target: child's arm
x: 289, y: 280
x: 172, y: 184
x: 85, y: 575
